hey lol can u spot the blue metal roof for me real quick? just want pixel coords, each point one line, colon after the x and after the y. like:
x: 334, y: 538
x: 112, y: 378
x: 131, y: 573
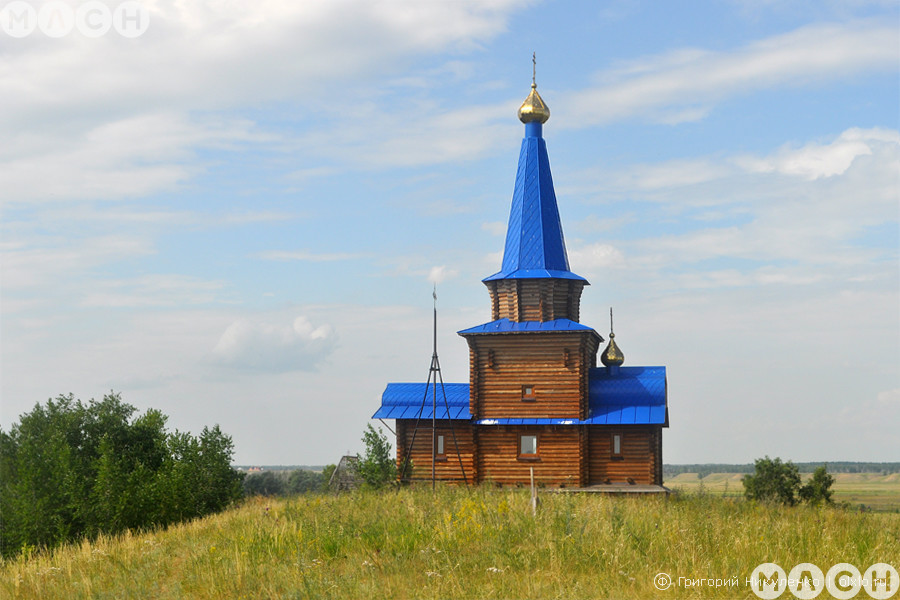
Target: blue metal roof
x: 633, y: 396
x: 507, y: 326
x: 535, y: 247
x: 404, y: 401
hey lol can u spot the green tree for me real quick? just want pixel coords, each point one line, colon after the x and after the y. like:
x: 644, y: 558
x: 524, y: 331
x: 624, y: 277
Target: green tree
x: 220, y: 484
x: 69, y: 469
x: 302, y: 480
x: 267, y: 483
x: 773, y: 481
x: 327, y: 472
x: 818, y: 489
x: 376, y: 467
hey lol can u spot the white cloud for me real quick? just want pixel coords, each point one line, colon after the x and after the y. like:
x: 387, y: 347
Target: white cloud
x: 673, y: 174
x: 373, y: 136
x: 593, y: 224
x: 440, y: 274
x: 815, y: 160
x: 889, y: 398
x: 494, y: 228
x: 303, y: 255
x: 683, y: 85
x: 763, y: 276
x: 274, y: 347
x: 109, y: 118
x: 595, y: 256
x: 38, y: 264
x: 794, y: 217
x: 152, y: 291
x: 127, y: 158
x: 239, y: 52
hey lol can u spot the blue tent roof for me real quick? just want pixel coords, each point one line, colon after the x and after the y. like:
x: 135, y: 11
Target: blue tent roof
x: 633, y: 396
x: 507, y: 326
x: 535, y: 247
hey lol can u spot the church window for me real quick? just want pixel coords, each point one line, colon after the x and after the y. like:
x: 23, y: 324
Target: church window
x: 528, y: 445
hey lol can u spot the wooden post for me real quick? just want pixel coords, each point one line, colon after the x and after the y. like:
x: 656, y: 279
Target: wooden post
x: 534, y: 502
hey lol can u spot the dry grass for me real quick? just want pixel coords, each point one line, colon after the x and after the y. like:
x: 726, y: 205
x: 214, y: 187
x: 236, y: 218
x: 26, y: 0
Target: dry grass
x: 456, y: 544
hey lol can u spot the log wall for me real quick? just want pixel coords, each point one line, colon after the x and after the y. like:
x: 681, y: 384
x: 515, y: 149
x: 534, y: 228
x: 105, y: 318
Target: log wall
x: 447, y: 466
x: 558, y: 461
x: 572, y: 456
x: 640, y: 458
x: 535, y: 299
x: 555, y: 364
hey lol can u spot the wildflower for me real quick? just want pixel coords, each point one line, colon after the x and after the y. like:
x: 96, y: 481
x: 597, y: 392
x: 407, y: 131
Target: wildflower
x: 494, y: 570
x: 366, y: 563
x: 432, y: 573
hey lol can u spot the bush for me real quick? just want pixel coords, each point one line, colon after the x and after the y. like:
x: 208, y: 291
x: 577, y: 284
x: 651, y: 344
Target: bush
x: 818, y: 489
x: 773, y: 481
x: 69, y: 470
x: 377, y: 467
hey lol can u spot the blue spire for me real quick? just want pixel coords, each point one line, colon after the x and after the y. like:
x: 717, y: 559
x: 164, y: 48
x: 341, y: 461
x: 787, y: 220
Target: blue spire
x: 535, y: 247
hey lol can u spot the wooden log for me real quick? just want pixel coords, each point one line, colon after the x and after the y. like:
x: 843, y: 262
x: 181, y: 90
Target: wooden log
x: 447, y: 464
x: 555, y: 364
x: 555, y: 463
x: 638, y: 458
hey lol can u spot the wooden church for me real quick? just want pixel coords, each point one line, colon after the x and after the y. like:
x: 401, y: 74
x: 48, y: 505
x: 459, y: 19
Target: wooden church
x: 536, y: 398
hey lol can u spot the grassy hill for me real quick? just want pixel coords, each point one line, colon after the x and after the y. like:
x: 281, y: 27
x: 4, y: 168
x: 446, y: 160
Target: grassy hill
x: 458, y: 543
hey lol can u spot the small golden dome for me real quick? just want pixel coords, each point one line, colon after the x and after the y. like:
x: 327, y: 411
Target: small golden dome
x: 612, y: 355
x: 534, y: 109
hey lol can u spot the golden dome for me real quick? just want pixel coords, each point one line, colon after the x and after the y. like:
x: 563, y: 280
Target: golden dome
x: 612, y: 355
x: 534, y: 109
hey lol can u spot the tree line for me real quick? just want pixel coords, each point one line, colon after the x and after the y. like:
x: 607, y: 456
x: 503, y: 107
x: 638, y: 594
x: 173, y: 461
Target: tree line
x: 287, y: 483
x: 702, y: 470
x: 70, y: 469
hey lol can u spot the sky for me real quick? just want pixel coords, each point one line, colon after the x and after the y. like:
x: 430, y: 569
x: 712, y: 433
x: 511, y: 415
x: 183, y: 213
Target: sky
x: 237, y: 216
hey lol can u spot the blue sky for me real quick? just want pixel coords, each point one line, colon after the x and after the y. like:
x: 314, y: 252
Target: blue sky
x: 238, y: 216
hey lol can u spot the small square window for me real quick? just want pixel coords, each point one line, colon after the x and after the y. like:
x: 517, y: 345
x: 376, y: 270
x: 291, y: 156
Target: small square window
x: 528, y: 393
x: 617, y: 444
x: 440, y: 445
x: 528, y: 445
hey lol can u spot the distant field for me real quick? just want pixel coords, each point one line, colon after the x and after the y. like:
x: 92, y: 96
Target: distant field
x: 872, y: 490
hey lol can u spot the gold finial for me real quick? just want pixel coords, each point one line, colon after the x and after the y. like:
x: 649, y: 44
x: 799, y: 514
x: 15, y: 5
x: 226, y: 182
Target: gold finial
x: 612, y: 356
x: 534, y: 108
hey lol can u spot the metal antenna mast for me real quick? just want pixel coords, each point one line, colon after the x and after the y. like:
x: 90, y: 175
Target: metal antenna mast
x: 434, y: 374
